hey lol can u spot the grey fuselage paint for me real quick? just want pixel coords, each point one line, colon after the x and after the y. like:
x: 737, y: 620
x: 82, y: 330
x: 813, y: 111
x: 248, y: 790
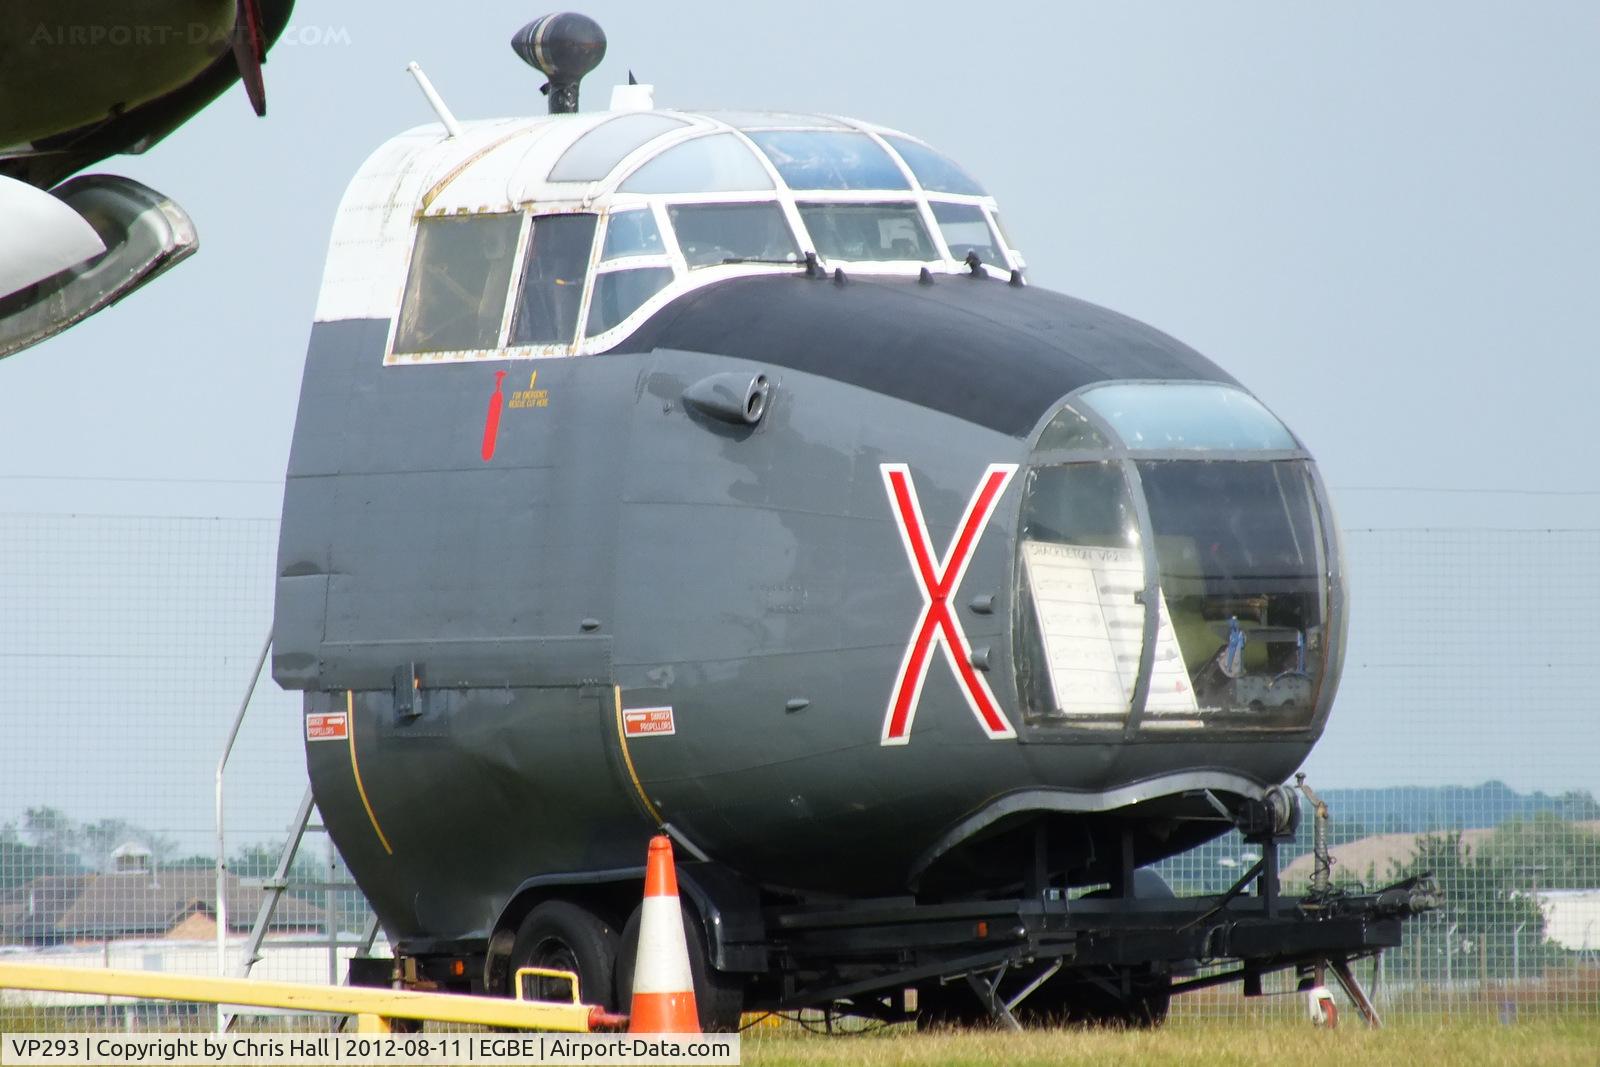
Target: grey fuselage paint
x: 752, y: 579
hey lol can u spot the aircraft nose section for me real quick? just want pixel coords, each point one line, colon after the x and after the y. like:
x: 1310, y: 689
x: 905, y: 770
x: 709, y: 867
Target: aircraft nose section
x: 1178, y: 569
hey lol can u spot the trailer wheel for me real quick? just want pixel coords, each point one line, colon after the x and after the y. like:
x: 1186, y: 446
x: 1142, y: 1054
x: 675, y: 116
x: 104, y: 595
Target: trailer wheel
x: 1079, y: 1001
x: 719, y: 997
x: 951, y: 1006
x: 567, y: 937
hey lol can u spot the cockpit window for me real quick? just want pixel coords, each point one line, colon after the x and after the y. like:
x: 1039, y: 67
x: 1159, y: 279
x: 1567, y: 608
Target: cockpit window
x: 1070, y: 430
x: 1239, y: 608
x: 523, y: 265
x: 1242, y: 568
x: 711, y: 234
x: 966, y: 230
x: 823, y: 159
x: 552, y: 280
x: 632, y: 233
x: 868, y: 231
x: 719, y: 163
x: 619, y: 293
x: 1081, y: 608
x: 455, y: 294
x: 1188, y: 415
x: 594, y: 155
x: 935, y: 173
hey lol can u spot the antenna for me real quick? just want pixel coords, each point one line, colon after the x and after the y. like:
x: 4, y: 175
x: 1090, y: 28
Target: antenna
x: 565, y: 47
x: 451, y: 126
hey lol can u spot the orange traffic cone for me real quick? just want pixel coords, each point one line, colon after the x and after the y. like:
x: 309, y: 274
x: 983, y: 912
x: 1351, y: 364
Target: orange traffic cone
x: 663, y: 987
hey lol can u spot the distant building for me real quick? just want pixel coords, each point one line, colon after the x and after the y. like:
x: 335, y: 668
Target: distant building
x: 1572, y: 918
x: 136, y: 899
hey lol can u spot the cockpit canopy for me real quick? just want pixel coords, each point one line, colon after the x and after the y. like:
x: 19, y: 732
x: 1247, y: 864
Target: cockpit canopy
x: 558, y: 236
x: 1177, y: 566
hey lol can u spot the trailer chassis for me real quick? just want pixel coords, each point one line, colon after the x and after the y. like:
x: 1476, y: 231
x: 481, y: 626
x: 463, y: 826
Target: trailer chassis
x: 1114, y: 955
x: 876, y: 957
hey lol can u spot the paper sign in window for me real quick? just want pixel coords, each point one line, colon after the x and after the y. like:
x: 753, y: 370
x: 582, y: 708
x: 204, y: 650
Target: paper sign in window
x: 1091, y: 622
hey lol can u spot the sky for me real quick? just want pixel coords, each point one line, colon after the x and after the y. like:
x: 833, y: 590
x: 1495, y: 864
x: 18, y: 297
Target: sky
x: 1380, y: 217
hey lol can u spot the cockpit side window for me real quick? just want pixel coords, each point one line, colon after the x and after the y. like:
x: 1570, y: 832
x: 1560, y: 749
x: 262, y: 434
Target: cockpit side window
x: 966, y: 230
x: 1000, y: 228
x: 1070, y: 431
x: 712, y: 234
x: 553, y: 274
x: 868, y: 231
x: 632, y: 233
x: 1081, y: 609
x: 455, y: 293
x: 619, y: 293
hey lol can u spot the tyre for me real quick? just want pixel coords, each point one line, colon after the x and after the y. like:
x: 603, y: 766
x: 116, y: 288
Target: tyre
x: 567, y: 937
x: 719, y: 997
x: 1076, y: 1000
x: 951, y: 1006
x: 1066, y: 1000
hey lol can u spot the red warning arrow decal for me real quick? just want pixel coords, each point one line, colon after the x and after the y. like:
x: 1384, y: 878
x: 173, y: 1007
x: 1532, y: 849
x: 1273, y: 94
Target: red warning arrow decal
x: 491, y: 421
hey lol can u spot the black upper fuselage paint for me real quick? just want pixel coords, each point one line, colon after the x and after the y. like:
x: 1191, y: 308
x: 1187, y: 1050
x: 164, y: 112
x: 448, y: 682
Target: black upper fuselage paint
x: 991, y: 353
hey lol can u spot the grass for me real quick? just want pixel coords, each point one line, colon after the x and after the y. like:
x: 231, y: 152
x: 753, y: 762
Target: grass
x: 1553, y: 1040
x: 1196, y: 1043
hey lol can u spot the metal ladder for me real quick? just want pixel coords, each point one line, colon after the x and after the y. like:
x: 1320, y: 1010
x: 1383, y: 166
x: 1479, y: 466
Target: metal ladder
x: 280, y: 881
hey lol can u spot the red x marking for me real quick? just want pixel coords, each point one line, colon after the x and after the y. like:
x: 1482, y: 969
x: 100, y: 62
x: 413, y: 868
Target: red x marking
x: 938, y: 580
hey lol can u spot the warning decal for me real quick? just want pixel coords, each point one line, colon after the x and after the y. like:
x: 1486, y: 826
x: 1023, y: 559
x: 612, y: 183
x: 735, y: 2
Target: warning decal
x: 645, y: 722
x: 327, y: 726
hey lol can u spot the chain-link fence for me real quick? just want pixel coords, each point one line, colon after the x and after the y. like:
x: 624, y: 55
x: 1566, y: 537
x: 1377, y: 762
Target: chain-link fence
x: 126, y: 646
x: 1462, y: 743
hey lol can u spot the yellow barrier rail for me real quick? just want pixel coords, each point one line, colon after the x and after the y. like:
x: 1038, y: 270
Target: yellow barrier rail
x: 373, y: 1008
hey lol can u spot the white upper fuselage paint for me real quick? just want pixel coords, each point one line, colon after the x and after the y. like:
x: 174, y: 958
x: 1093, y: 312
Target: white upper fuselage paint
x: 498, y: 166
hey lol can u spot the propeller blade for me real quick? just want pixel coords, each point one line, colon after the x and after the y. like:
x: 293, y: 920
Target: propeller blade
x: 249, y: 49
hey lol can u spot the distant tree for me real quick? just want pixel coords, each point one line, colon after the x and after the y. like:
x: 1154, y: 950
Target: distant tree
x: 1546, y: 852
x: 21, y: 862
x: 1578, y: 804
x: 260, y: 860
x: 1489, y: 924
x: 50, y: 829
x: 50, y: 842
x: 43, y: 848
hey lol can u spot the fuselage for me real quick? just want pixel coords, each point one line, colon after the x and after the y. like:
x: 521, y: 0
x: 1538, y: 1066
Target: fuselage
x: 986, y: 556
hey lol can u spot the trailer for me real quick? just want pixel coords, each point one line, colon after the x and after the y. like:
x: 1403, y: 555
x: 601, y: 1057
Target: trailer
x: 1045, y: 956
